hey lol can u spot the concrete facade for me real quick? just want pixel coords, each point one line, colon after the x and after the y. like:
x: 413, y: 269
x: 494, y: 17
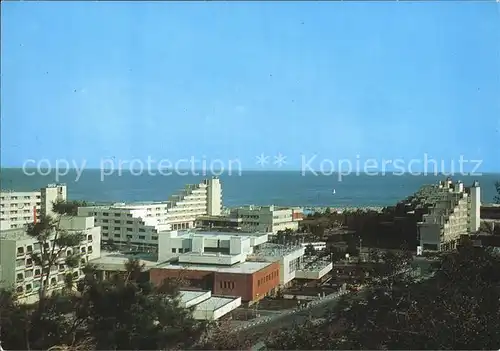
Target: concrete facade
x: 18, y: 208
x: 249, y: 280
x: 208, y: 307
x: 138, y: 225
x: 266, y: 218
x: 18, y: 271
x: 453, y: 210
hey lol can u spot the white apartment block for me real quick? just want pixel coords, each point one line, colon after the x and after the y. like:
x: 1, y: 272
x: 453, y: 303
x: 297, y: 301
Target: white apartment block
x: 454, y: 210
x: 18, y: 271
x: 137, y: 225
x: 18, y: 208
x: 265, y: 218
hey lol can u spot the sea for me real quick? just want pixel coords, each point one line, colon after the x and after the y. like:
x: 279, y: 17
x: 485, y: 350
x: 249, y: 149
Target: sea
x: 282, y: 188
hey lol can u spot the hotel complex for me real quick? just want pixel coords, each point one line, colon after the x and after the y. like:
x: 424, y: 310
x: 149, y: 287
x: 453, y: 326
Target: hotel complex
x: 223, y: 259
x: 226, y: 263
x: 255, y: 218
x: 452, y: 210
x: 17, y: 269
x: 138, y: 225
x: 18, y: 208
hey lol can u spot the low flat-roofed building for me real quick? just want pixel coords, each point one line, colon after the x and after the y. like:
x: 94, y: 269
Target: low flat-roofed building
x: 267, y: 218
x: 288, y: 257
x: 208, y: 307
x: 114, y: 262
x: 490, y: 211
x: 219, y: 222
x: 249, y: 280
x: 313, y: 269
x: 207, y: 247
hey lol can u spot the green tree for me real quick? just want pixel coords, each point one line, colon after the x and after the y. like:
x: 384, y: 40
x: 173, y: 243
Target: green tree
x: 122, y: 313
x: 451, y: 310
x: 497, y: 196
x: 310, y: 250
x: 53, y: 243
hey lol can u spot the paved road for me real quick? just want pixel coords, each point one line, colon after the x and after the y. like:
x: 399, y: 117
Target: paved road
x: 287, y: 320
x: 316, y: 310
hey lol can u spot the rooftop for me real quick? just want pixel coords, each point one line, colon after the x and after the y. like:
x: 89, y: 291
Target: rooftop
x: 239, y: 268
x: 214, y: 303
x: 14, y: 234
x: 188, y: 295
x: 117, y: 260
x: 275, y: 250
x: 216, y: 234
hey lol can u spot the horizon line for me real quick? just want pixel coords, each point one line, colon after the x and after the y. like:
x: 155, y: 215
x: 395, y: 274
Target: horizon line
x: 209, y: 173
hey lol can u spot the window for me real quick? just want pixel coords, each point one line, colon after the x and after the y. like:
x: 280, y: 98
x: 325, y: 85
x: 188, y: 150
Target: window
x: 174, y: 250
x: 154, y: 238
x: 105, y: 221
x: 142, y: 237
x: 89, y: 238
x: 20, y: 277
x: 29, y: 262
x: 37, y: 272
x: 116, y: 228
x: 19, y: 289
x: 61, y: 267
x: 117, y: 222
x: 130, y: 222
x: 117, y: 214
x: 129, y: 229
x: 20, y: 251
x: 89, y: 249
x: 83, y: 250
x: 142, y: 230
x: 29, y: 248
x: 105, y: 214
x: 28, y: 287
x: 117, y: 235
x: 105, y: 227
x: 129, y: 236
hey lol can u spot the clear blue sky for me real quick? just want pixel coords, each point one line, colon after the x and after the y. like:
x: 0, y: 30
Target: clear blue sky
x: 92, y: 80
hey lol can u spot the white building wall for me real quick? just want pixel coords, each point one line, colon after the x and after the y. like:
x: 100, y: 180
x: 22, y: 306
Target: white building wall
x: 18, y: 271
x: 289, y: 264
x: 214, y: 197
x: 139, y: 224
x: 265, y: 218
x: 20, y: 207
x: 454, y: 212
x: 475, y: 208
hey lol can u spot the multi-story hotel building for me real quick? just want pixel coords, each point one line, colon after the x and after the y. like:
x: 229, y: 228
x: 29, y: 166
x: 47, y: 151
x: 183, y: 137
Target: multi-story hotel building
x: 17, y: 269
x: 137, y: 225
x: 453, y: 210
x: 18, y: 208
x: 266, y: 218
x: 226, y: 263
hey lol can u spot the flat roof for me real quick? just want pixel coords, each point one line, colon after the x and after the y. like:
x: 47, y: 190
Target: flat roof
x: 217, y: 235
x: 120, y: 258
x: 14, y: 234
x: 275, y: 250
x: 249, y: 267
x: 189, y: 295
x: 214, y: 303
